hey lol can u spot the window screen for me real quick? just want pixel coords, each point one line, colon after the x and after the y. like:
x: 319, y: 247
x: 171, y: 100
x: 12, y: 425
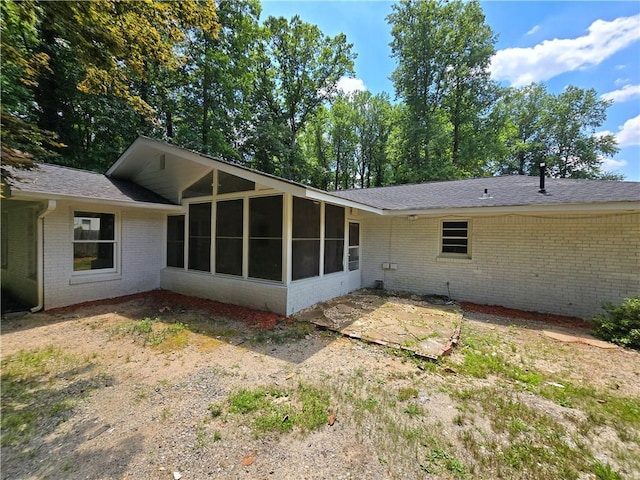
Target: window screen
x: 229, y: 223
x: 333, y: 239
x: 200, y: 236
x: 305, y: 249
x: 228, y: 183
x: 175, y: 241
x: 265, y: 238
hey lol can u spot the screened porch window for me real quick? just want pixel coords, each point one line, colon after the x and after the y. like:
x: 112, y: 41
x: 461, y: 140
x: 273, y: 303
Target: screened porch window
x: 200, y: 236
x: 229, y: 223
x: 305, y: 247
x: 175, y: 241
x: 228, y: 183
x: 265, y: 238
x: 94, y: 241
x: 201, y: 188
x: 333, y: 239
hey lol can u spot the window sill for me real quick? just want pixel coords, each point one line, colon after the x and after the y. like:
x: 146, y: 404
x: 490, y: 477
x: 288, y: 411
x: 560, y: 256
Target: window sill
x: 454, y: 259
x: 97, y: 277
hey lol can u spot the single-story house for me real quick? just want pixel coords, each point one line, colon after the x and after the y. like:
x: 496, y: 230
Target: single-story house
x: 166, y: 217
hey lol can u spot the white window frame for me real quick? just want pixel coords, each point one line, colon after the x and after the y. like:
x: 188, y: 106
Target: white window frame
x: 466, y: 254
x: 354, y: 247
x: 116, y: 243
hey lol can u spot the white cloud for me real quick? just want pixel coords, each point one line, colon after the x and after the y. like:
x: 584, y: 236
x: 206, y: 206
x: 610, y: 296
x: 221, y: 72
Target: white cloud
x: 350, y: 85
x: 624, y: 94
x: 533, y: 30
x: 610, y: 164
x: 629, y: 133
x: 550, y: 58
x: 621, y: 82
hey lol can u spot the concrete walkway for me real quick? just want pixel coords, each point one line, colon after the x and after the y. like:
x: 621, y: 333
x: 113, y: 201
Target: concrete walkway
x: 426, y: 328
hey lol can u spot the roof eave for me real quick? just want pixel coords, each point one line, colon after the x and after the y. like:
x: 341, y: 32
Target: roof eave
x: 520, y: 209
x: 26, y: 195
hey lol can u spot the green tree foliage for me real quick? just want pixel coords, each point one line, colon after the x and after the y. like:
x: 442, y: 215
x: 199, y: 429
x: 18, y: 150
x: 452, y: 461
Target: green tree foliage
x: 443, y: 50
x: 83, y: 69
x: 80, y: 80
x: 214, y: 97
x: 560, y: 130
x: 346, y: 143
x: 574, y: 150
x: 298, y: 71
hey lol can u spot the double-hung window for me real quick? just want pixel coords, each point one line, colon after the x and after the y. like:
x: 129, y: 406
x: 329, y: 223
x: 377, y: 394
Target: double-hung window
x: 94, y: 241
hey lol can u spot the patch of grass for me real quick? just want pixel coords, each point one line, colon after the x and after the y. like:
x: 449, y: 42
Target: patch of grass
x: 39, y: 389
x: 153, y: 332
x: 406, y: 393
x: 413, y: 410
x: 603, y: 471
x: 535, y: 442
x: 215, y: 410
x: 439, y: 461
x: 280, y: 411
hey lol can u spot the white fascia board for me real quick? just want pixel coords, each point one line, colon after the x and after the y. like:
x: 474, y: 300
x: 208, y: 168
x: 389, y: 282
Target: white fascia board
x: 239, y: 171
x: 36, y: 196
x: 522, y: 209
x: 320, y: 195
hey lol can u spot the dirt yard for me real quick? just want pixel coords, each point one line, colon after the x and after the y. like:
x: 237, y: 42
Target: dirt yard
x: 164, y: 387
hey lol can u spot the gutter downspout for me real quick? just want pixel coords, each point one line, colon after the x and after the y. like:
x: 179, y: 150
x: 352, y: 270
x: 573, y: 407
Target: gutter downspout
x: 51, y: 206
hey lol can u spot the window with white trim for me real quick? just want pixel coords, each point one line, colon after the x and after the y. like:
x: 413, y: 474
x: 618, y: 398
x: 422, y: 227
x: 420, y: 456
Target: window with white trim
x: 333, y: 239
x: 229, y: 239
x: 175, y: 241
x: 94, y: 241
x: 265, y: 237
x: 4, y: 235
x: 354, y: 246
x: 305, y: 245
x: 455, y: 237
x: 200, y: 236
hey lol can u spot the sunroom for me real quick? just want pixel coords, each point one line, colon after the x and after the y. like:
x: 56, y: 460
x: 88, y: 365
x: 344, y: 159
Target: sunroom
x: 247, y: 238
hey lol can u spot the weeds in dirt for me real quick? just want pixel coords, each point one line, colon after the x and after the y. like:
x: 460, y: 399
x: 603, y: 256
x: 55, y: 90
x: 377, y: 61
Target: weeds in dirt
x: 277, y: 410
x: 153, y: 332
x: 285, y: 332
x: 537, y: 445
x: 39, y: 389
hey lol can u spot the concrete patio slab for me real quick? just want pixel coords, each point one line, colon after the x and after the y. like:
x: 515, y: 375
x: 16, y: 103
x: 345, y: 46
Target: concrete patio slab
x: 425, y: 328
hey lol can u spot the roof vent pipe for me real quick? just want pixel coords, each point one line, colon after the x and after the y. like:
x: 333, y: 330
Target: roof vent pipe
x: 543, y: 171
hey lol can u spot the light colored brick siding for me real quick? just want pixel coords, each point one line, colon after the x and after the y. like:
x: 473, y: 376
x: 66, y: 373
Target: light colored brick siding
x: 565, y: 264
x: 304, y: 293
x: 21, y: 230
x: 266, y: 296
x: 141, y: 248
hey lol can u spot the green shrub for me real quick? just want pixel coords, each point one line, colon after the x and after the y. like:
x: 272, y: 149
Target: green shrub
x: 621, y: 323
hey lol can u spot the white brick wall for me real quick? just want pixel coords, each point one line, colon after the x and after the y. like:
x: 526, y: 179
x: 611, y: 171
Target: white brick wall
x: 566, y: 264
x: 271, y: 297
x: 307, y: 292
x: 141, y: 250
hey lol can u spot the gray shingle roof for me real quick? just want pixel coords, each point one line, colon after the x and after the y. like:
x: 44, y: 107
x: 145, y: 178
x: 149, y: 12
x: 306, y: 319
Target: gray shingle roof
x: 515, y: 190
x: 65, y: 181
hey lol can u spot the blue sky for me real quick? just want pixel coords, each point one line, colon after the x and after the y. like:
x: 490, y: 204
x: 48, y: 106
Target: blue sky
x: 593, y: 44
